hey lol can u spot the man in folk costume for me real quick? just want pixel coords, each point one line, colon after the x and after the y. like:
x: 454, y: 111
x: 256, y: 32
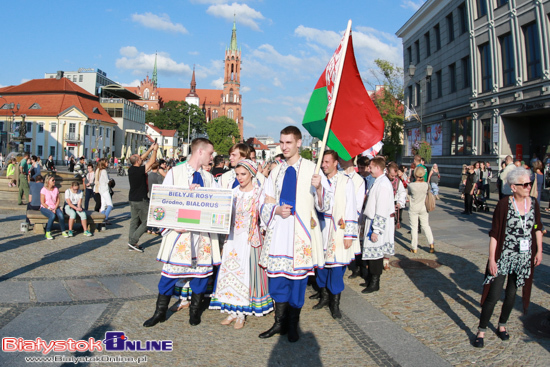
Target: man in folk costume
x: 400, y: 198
x: 237, y: 153
x: 293, y: 244
x: 379, y: 224
x: 189, y: 255
x: 339, y: 227
x: 359, y: 183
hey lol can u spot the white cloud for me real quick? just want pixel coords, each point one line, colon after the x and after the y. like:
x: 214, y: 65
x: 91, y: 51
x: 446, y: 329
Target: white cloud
x: 248, y: 124
x: 141, y: 63
x: 298, y: 110
x: 218, y: 83
x: 214, y: 69
x: 129, y: 51
x: 277, y: 82
x: 160, y: 22
x: 245, y: 89
x: 208, y: 2
x: 285, y: 120
x: 133, y: 83
x: 244, y: 14
x: 325, y: 38
x: 414, y: 5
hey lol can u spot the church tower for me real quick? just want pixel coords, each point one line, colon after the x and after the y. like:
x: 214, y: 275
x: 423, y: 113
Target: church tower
x: 155, y: 72
x: 192, y: 97
x: 231, y: 99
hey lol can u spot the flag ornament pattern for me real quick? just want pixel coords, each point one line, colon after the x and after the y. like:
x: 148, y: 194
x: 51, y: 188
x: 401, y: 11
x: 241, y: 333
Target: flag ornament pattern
x: 356, y: 124
x: 189, y: 216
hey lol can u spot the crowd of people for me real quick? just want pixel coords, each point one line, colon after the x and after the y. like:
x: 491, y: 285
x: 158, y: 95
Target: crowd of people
x: 293, y: 225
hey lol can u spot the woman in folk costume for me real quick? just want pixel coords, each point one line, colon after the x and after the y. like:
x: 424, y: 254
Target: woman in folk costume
x: 379, y: 225
x: 241, y: 287
x: 187, y: 255
x: 237, y: 153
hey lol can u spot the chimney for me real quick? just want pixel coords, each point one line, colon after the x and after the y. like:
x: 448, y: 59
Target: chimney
x: 59, y: 75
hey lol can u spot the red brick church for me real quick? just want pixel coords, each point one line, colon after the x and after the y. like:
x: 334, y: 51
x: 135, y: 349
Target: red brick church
x: 214, y: 102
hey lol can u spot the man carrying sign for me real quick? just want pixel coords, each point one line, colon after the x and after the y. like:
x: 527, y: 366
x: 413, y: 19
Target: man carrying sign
x: 293, y: 244
x: 188, y: 255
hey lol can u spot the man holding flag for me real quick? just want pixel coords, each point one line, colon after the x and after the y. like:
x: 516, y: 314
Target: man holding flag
x: 292, y: 246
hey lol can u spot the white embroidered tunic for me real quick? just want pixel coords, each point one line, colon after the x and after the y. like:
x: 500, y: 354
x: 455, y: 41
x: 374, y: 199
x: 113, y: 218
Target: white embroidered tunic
x: 378, y: 210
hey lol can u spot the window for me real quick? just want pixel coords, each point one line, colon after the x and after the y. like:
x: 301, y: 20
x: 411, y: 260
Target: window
x: 72, y: 128
x: 507, y: 55
x: 107, y: 132
x: 1, y: 125
x: 93, y: 130
x: 86, y: 130
x: 230, y: 113
x: 439, y: 84
x: 53, y: 128
x: 486, y: 73
x: 452, y: 77
x: 101, y: 131
x: 215, y: 114
x: 532, y: 51
x: 231, y: 96
x: 410, y: 94
x: 146, y: 93
x: 427, y: 39
x: 39, y: 150
x: 86, y: 152
x: 27, y: 147
x: 418, y: 95
x: 409, y: 55
x: 450, y: 27
x: 165, y: 141
x: 417, y: 51
x: 462, y: 18
x: 52, y: 150
x: 481, y: 8
x: 466, y: 74
x: 487, y: 135
x: 29, y: 127
x: 461, y: 136
x: 41, y: 127
x: 74, y: 78
x: 502, y: 2
x: 80, y: 78
x: 437, y: 32
x: 429, y: 89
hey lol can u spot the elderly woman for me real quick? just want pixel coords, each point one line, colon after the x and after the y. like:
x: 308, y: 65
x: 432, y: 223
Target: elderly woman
x: 417, y: 211
x: 515, y: 249
x: 241, y: 286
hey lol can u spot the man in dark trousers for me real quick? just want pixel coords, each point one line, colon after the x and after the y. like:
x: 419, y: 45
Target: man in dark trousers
x: 139, y: 200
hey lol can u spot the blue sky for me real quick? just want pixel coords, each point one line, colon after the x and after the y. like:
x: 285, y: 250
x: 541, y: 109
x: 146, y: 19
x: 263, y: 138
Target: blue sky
x: 285, y: 44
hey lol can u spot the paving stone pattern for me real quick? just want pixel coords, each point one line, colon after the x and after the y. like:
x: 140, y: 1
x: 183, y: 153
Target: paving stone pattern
x: 82, y: 287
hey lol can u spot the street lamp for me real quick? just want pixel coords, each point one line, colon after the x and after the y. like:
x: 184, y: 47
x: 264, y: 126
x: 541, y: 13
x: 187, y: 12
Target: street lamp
x: 427, y: 78
x: 95, y: 125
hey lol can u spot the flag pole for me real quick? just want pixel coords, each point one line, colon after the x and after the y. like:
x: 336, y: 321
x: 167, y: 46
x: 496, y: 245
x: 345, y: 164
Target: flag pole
x: 335, y: 95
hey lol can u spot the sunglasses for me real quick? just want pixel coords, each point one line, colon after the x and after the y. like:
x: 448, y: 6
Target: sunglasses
x: 525, y: 185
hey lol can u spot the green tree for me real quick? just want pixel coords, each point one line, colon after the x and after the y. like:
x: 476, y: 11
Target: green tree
x: 223, y: 132
x: 388, y: 99
x: 174, y: 115
x: 306, y: 154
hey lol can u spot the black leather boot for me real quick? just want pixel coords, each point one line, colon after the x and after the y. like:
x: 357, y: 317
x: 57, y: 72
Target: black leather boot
x: 315, y: 295
x: 374, y: 284
x: 160, y: 313
x: 356, y: 272
x: 334, y: 305
x: 279, y: 326
x: 367, y: 281
x: 293, y: 320
x: 195, y: 309
x: 323, y: 301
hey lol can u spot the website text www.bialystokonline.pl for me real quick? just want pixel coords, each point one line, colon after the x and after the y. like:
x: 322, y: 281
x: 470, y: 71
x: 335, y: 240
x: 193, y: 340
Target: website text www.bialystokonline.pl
x: 86, y: 359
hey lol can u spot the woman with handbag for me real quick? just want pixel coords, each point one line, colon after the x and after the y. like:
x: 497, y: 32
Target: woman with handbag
x: 418, y: 190
x: 102, y: 185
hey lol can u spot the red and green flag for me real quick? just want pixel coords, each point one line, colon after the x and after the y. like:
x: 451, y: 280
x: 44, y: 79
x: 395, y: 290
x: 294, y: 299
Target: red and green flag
x: 189, y: 216
x: 356, y: 126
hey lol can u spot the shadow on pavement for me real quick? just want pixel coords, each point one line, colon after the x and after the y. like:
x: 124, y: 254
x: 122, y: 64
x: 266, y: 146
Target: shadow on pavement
x: 65, y: 254
x: 305, y: 352
x: 436, y: 286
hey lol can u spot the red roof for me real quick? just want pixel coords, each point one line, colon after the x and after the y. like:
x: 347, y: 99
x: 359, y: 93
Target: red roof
x: 162, y: 132
x: 206, y: 96
x: 54, y: 96
x: 258, y: 145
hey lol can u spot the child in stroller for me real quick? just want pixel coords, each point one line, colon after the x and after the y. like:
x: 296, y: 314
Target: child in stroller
x: 480, y: 202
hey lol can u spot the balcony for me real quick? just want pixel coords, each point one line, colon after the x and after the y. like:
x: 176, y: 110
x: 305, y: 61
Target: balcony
x: 72, y: 138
